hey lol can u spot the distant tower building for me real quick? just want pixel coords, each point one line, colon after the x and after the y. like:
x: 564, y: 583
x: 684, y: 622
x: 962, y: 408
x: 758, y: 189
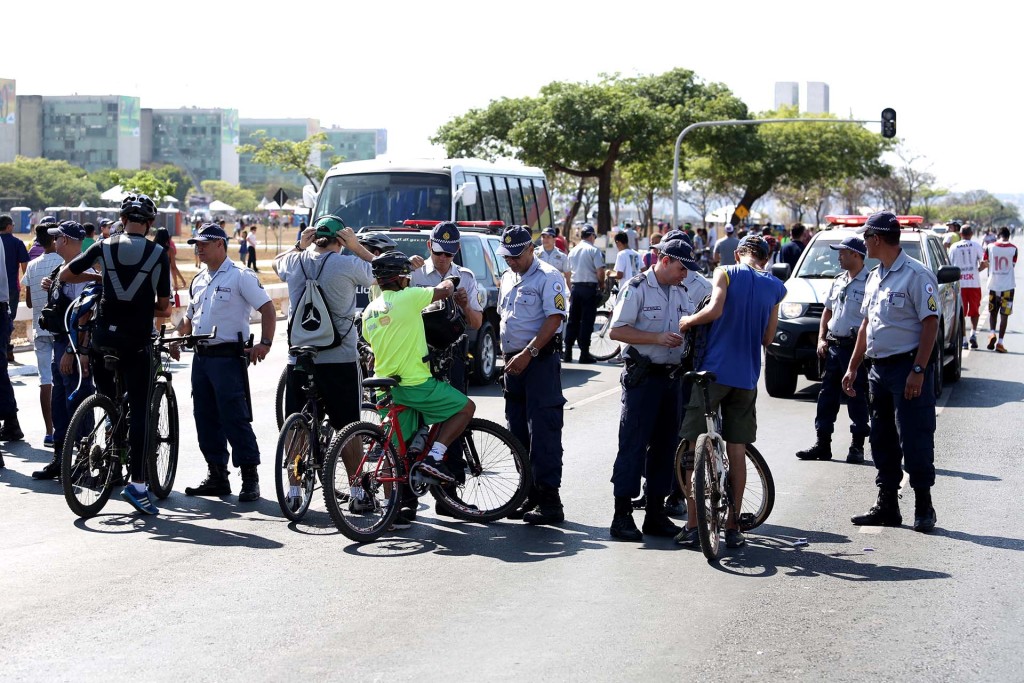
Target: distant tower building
x: 8, y: 120
x: 817, y: 97
x: 787, y: 94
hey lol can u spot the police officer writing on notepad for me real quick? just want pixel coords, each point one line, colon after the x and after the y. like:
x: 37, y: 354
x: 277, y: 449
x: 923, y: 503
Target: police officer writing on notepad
x: 223, y: 294
x: 898, y: 335
x: 646, y: 319
x: 836, y: 336
x: 531, y: 303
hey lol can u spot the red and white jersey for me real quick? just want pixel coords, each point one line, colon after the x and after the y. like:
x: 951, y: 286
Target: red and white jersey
x: 1001, y: 257
x: 966, y: 255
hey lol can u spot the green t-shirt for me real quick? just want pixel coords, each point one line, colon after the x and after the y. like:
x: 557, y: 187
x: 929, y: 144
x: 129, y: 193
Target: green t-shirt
x: 393, y: 324
x: 88, y: 242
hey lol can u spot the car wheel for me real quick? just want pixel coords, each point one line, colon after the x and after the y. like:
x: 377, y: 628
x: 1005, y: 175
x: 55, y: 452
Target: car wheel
x: 485, y: 355
x: 779, y: 377
x: 953, y: 370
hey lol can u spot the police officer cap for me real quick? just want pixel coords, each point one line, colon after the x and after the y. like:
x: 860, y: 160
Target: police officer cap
x: 548, y: 231
x: 675, y: 234
x: 882, y: 222
x: 587, y: 231
x: 445, y: 237
x: 515, y: 240
x: 208, y: 233
x: 680, y: 251
x: 851, y: 243
x: 104, y: 222
x: 70, y: 229
x: 48, y: 219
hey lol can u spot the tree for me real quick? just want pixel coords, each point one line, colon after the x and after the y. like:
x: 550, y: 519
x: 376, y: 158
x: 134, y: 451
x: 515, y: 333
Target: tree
x: 904, y: 183
x: 290, y: 155
x: 39, y: 183
x: 980, y: 207
x: 243, y: 200
x: 146, y: 182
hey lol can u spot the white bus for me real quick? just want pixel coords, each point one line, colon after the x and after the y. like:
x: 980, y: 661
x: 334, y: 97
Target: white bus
x: 384, y: 193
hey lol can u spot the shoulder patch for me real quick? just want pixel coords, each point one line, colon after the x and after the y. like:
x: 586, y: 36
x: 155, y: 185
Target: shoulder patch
x: 637, y: 280
x: 560, y: 302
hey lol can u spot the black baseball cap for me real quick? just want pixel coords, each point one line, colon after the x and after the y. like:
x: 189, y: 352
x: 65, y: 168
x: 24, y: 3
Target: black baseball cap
x: 680, y: 251
x: 208, y: 233
x: 515, y: 240
x: 70, y: 229
x: 883, y: 222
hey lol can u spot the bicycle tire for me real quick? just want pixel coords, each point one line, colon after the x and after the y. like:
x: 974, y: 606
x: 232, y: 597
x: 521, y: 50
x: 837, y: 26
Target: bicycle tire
x: 282, y: 385
x: 498, y: 475
x: 601, y: 346
x: 378, y: 460
x: 162, y: 461
x: 759, y: 499
x: 708, y: 498
x: 87, y: 458
x: 368, y: 413
x: 294, y: 470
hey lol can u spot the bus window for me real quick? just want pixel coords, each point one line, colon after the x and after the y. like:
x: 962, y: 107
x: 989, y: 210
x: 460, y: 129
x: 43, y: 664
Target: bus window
x: 504, y: 206
x: 543, y: 206
x: 530, y: 199
x: 516, y: 194
x: 485, y: 198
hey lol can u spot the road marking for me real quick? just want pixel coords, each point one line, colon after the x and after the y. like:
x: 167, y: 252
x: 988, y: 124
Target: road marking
x: 595, y: 397
x: 871, y: 529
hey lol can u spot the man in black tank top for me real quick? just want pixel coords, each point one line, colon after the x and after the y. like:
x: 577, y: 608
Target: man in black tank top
x: 136, y: 289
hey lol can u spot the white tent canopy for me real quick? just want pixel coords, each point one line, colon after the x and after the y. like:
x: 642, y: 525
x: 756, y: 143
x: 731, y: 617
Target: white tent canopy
x: 220, y: 207
x: 114, y: 194
x: 271, y: 206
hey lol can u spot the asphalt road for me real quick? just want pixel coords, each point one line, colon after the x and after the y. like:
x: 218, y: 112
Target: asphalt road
x: 214, y: 590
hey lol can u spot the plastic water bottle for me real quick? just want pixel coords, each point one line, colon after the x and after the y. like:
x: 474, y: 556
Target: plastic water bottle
x: 419, y: 440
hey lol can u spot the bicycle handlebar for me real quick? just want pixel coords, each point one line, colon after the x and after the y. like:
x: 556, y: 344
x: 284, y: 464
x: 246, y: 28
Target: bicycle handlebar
x: 189, y: 340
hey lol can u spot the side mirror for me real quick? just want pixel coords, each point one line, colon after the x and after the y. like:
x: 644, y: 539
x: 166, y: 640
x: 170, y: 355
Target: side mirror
x: 467, y: 193
x: 948, y: 274
x: 782, y: 271
x: 308, y: 196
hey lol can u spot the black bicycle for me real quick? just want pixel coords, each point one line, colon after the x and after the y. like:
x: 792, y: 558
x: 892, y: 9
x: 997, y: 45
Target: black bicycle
x: 96, y: 446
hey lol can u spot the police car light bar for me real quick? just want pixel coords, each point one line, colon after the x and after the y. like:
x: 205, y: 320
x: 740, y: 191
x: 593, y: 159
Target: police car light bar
x: 462, y: 224
x: 861, y: 220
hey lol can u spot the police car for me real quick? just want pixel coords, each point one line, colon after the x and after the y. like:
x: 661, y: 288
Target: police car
x: 793, y: 352
x: 479, y: 244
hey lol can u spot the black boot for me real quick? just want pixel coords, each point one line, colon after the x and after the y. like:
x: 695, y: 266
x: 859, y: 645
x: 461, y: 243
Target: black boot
x: 528, y: 504
x: 567, y: 354
x: 548, y: 510
x: 11, y: 431
x: 656, y: 521
x: 885, y: 511
x: 623, y: 527
x: 215, y: 484
x: 51, y: 471
x: 250, y: 484
x: 856, y: 454
x: 585, y: 356
x: 821, y: 450
x: 924, y: 513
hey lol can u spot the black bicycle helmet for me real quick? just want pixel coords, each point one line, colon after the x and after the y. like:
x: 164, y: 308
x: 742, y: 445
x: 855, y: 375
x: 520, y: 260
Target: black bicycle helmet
x: 390, y: 267
x: 138, y: 208
x: 378, y: 241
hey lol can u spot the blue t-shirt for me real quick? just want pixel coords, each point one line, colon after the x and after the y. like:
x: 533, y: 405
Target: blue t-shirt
x: 15, y: 253
x: 734, y: 341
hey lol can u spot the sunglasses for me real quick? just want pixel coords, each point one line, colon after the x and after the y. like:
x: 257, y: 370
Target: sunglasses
x: 443, y: 253
x: 515, y: 258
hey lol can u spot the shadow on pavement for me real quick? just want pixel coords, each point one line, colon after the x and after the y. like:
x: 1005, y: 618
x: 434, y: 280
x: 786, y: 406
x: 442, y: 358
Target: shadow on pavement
x: 770, y: 549
x: 981, y: 392
x: 574, y: 375
x: 175, y: 523
x: 25, y: 481
x: 987, y: 541
x: 27, y: 451
x: 969, y: 476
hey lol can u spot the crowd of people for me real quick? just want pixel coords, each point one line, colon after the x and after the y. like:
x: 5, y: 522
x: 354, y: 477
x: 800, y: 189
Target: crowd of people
x: 885, y: 319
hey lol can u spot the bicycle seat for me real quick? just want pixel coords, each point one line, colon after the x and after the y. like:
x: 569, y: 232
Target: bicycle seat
x: 304, y: 351
x: 703, y: 378
x: 380, y: 382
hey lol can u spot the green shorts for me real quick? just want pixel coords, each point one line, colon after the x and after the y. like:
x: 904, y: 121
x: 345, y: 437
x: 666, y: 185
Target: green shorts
x: 739, y: 414
x: 429, y: 403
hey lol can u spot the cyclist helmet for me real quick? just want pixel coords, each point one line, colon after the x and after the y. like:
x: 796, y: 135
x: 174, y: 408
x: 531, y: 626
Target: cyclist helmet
x: 376, y: 241
x: 138, y: 208
x: 389, y: 268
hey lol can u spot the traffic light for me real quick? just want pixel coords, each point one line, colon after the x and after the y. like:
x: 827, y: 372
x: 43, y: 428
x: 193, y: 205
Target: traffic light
x: 888, y: 122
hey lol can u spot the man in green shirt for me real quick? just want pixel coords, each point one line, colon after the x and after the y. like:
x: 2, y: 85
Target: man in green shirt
x: 393, y: 325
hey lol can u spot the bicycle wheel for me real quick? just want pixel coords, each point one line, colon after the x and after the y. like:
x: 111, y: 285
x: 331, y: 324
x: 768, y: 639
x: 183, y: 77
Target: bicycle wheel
x: 759, y: 494
x: 708, y: 497
x: 88, y: 457
x: 294, y: 470
x: 282, y: 384
x: 162, y: 462
x: 498, y: 475
x: 368, y: 413
x: 363, y: 502
x: 602, y: 347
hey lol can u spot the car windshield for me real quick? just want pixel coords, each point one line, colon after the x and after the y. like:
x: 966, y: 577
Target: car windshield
x: 821, y: 261
x: 385, y: 199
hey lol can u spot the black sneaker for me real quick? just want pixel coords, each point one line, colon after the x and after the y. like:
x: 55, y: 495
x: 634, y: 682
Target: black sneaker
x: 438, y: 470
x: 624, y: 528
x: 734, y: 538
x: 688, y: 537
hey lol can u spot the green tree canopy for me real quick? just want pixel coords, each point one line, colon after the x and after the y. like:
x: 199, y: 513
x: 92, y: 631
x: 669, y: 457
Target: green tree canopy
x: 38, y: 183
x: 147, y: 183
x: 243, y: 200
x: 289, y: 155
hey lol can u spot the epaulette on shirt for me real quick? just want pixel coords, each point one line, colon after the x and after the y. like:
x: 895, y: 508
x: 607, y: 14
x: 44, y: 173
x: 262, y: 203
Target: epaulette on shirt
x: 636, y: 280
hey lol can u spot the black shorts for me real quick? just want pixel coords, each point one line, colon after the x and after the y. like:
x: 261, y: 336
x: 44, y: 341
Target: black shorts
x: 337, y: 387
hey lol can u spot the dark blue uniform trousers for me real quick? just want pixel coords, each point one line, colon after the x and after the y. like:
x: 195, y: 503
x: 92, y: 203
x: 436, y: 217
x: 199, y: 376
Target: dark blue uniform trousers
x: 221, y: 412
x: 832, y: 396
x: 648, y: 436
x: 582, y: 313
x: 533, y: 408
x: 902, y: 430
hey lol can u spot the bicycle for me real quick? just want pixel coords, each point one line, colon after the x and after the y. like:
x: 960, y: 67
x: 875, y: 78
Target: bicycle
x: 96, y: 447
x: 602, y: 347
x: 711, y: 487
x: 363, y: 501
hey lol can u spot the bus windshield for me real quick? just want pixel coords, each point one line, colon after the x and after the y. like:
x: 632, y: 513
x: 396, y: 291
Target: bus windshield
x: 386, y: 199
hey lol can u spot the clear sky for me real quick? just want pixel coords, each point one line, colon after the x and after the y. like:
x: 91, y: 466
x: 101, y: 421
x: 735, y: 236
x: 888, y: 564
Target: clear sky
x: 950, y: 71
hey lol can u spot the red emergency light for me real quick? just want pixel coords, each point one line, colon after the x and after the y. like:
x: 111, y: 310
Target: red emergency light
x: 861, y: 220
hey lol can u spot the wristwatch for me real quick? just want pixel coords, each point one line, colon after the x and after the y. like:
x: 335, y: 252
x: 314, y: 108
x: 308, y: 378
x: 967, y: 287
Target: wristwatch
x: 298, y: 245
x: 917, y: 369
x: 266, y: 342
x: 534, y: 351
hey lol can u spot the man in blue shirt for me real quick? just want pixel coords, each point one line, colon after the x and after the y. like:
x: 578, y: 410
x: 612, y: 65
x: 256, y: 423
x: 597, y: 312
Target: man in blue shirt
x: 799, y: 237
x: 15, y: 254
x: 743, y: 313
